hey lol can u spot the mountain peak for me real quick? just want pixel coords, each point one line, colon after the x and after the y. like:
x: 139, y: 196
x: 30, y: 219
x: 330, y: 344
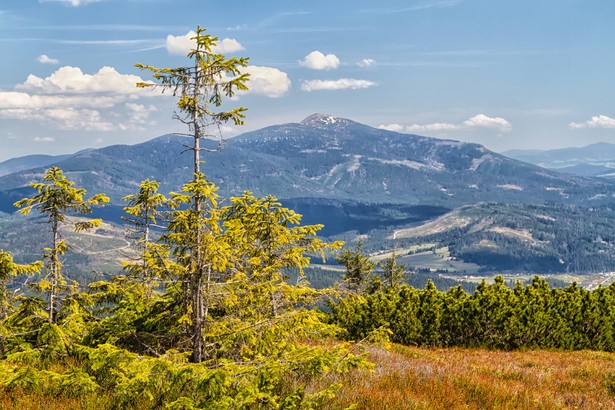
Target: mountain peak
x: 325, y: 121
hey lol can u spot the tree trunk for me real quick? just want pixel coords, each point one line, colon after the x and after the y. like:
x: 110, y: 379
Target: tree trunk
x: 55, y: 272
x: 197, y: 318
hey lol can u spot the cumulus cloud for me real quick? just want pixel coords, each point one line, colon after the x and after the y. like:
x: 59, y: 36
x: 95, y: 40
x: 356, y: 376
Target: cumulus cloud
x: 318, y: 61
x: 44, y: 59
x: 597, y: 121
x: 71, y: 80
x: 341, y: 84
x: 71, y: 100
x: 267, y: 81
x: 228, y: 45
x: 481, y: 120
x: 392, y: 127
x: 366, y: 62
x: 181, y: 45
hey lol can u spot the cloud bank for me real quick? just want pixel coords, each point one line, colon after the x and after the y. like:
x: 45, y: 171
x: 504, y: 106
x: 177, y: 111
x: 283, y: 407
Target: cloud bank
x: 70, y: 99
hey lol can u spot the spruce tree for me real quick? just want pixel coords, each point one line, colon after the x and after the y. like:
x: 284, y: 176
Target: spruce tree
x: 57, y: 198
x: 200, y: 88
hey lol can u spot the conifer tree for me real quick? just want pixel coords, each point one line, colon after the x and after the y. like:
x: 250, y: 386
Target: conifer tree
x: 200, y: 89
x: 358, y: 268
x: 56, y: 198
x: 8, y: 271
x: 393, y: 271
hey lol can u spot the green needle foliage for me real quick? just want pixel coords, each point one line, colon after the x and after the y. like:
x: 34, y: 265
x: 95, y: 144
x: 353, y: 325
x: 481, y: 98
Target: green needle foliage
x: 57, y: 198
x: 200, y: 88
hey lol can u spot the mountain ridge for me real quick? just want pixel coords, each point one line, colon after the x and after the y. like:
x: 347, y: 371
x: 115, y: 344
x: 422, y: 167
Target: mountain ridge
x: 327, y: 157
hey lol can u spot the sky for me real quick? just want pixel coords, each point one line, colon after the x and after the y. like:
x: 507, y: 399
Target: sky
x: 522, y: 74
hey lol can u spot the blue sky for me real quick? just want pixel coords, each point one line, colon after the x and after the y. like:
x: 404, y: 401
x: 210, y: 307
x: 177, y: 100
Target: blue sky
x: 507, y: 74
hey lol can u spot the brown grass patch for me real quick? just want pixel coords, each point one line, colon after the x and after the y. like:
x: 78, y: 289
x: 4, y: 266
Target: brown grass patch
x: 417, y: 378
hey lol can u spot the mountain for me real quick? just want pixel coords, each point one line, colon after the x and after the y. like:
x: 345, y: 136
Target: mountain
x: 332, y: 158
x: 352, y: 177
x: 589, y: 161
x: 31, y: 161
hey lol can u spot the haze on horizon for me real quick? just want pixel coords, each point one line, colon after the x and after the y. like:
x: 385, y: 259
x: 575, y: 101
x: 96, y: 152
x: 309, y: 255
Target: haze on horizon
x: 509, y: 75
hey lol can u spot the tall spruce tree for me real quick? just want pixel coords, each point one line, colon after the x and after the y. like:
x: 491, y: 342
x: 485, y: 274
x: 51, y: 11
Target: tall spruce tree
x: 56, y: 198
x: 201, y: 88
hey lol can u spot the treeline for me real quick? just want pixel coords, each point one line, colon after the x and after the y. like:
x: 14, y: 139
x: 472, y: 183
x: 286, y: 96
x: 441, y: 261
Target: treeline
x: 494, y: 317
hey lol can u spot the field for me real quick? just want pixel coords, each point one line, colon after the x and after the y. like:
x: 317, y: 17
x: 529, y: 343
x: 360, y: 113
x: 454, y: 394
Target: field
x: 416, y: 378
x: 431, y: 379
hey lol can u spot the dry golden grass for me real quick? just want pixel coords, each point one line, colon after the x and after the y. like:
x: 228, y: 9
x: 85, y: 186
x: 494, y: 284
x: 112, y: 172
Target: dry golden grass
x: 431, y: 379
x: 415, y: 378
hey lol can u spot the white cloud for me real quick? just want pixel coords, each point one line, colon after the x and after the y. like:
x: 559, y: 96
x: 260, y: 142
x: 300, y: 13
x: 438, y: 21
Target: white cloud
x: 267, y: 81
x: 71, y: 80
x: 318, y: 61
x: 139, y: 113
x: 74, y: 3
x: 392, y: 127
x: 597, y: 121
x: 181, y: 45
x: 228, y: 45
x: 71, y: 100
x: 477, y: 121
x: 366, y: 62
x: 43, y: 139
x: 481, y: 120
x: 438, y: 126
x: 44, y: 59
x: 341, y: 84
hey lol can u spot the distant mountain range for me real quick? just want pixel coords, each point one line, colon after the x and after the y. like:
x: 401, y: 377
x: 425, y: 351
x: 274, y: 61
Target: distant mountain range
x: 350, y: 176
x: 33, y: 161
x: 595, y: 160
x: 327, y: 157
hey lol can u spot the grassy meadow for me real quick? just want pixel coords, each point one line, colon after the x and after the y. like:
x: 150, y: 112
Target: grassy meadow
x: 420, y: 378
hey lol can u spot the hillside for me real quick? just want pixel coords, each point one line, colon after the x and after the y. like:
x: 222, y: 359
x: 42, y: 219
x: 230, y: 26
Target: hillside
x: 356, y: 179
x: 333, y: 158
x: 522, y: 238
